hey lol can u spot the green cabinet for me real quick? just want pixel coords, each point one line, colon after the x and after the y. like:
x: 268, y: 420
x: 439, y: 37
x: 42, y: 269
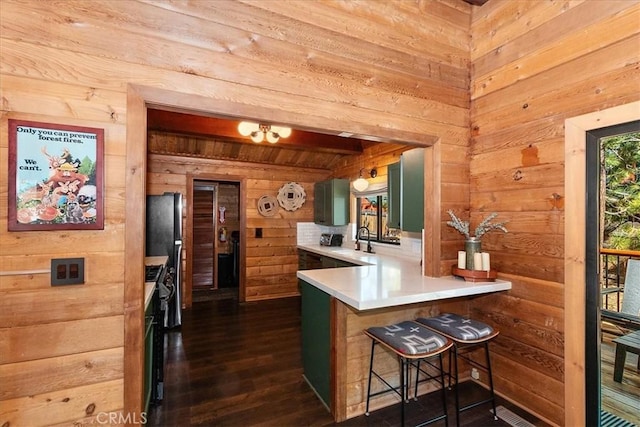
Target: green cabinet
x: 412, y: 190
x: 316, y: 339
x: 313, y: 261
x: 309, y: 260
x: 393, y: 194
x: 149, y: 329
x: 328, y: 262
x: 331, y: 202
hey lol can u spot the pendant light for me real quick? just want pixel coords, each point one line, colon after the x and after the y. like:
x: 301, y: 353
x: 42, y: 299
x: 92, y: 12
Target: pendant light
x: 361, y: 183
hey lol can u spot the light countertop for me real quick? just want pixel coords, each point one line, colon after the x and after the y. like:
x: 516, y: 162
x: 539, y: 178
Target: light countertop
x: 149, y: 287
x: 385, y: 281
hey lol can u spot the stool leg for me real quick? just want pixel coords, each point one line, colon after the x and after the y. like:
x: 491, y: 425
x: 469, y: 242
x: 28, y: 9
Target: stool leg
x: 407, y: 379
x: 373, y: 346
x: 450, y: 352
x: 455, y: 375
x: 443, y: 391
x: 403, y: 391
x: 493, y: 396
x: 415, y: 392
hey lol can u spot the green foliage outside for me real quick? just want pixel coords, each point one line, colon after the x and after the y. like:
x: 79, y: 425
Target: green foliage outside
x: 621, y: 172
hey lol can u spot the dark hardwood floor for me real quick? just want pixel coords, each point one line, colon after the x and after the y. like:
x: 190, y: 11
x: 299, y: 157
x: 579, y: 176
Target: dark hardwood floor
x: 234, y: 364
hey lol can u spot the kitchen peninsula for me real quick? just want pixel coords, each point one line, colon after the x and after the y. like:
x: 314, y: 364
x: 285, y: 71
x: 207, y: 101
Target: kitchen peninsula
x: 339, y: 303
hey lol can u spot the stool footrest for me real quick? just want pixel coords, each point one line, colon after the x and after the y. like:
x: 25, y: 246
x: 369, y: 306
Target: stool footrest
x: 389, y: 389
x: 474, y: 404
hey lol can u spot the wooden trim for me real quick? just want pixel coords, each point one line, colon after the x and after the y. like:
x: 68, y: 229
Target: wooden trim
x: 216, y: 242
x: 242, y: 297
x: 432, y: 207
x: 338, y: 360
x: 135, y: 181
x: 574, y: 256
x: 138, y: 99
x: 187, y: 276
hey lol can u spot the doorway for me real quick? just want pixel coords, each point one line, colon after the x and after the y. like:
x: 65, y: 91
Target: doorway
x: 598, y: 386
x: 575, y: 315
x: 139, y: 99
x: 214, y: 221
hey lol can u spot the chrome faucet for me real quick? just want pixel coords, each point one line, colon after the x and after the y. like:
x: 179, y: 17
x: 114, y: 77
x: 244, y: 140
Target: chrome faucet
x: 369, y: 248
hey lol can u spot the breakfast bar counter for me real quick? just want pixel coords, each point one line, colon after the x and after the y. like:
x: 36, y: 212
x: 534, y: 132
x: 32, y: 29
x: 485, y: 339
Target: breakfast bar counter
x: 338, y: 304
x: 385, y: 281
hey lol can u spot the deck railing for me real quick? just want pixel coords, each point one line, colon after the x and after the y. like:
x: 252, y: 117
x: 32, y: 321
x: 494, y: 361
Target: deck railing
x: 613, y: 270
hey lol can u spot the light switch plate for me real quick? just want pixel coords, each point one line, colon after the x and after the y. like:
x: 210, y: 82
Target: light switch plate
x: 67, y: 271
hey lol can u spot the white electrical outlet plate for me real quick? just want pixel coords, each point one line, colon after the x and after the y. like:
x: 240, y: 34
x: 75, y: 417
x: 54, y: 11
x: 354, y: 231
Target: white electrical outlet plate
x: 475, y: 374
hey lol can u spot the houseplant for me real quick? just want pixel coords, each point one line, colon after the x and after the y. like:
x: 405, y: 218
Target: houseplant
x: 473, y: 244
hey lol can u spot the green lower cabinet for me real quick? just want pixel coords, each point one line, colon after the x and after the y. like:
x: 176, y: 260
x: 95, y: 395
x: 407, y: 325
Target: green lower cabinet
x: 316, y: 340
x: 328, y: 262
x: 148, y: 356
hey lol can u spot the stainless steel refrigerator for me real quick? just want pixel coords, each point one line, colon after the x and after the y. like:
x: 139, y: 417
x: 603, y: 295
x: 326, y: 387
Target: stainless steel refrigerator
x: 164, y: 237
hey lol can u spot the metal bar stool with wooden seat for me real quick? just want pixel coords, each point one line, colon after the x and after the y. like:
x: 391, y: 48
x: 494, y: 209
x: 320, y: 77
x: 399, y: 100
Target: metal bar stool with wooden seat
x: 465, y: 334
x: 410, y: 342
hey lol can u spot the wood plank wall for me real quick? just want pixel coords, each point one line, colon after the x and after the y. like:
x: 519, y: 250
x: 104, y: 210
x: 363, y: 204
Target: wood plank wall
x: 397, y: 70
x: 271, y: 261
x: 569, y: 59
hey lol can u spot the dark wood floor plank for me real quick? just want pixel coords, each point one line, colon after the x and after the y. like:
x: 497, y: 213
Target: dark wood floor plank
x: 621, y: 399
x: 233, y: 364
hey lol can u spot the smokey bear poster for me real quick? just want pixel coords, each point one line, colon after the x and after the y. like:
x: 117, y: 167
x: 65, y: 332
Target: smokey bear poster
x: 55, y: 177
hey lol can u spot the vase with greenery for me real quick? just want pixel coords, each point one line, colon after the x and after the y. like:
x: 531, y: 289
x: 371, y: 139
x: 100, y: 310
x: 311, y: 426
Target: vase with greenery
x: 473, y: 244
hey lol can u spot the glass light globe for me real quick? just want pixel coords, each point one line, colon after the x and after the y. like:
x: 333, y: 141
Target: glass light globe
x: 360, y: 184
x: 272, y: 137
x: 257, y: 136
x: 283, y: 132
x: 246, y: 128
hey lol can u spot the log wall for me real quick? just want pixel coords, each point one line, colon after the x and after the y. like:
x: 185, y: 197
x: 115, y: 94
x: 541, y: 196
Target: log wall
x: 569, y: 59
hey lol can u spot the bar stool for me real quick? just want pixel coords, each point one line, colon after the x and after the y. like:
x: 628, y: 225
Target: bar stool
x: 466, y: 334
x: 410, y: 342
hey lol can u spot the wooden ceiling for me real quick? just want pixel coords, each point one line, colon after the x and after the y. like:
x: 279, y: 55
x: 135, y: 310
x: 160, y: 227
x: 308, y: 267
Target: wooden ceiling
x: 190, y: 135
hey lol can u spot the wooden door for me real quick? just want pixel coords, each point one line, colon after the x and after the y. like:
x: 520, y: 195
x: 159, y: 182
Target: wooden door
x: 204, y: 236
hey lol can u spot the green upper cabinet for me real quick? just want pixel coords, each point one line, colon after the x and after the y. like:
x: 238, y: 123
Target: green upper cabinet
x: 331, y: 202
x: 393, y: 191
x: 412, y: 190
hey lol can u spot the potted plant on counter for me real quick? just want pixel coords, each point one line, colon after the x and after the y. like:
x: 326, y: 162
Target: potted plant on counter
x: 473, y: 244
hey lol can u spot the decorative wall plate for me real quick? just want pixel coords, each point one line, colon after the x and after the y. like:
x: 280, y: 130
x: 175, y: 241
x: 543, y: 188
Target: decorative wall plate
x: 267, y: 206
x: 291, y: 196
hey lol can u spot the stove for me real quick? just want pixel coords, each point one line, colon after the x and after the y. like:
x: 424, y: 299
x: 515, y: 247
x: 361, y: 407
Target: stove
x: 152, y: 272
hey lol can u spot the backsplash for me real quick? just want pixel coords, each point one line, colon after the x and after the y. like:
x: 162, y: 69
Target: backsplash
x: 309, y: 234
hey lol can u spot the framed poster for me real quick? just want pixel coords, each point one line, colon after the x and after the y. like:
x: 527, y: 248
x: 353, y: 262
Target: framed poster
x: 55, y: 177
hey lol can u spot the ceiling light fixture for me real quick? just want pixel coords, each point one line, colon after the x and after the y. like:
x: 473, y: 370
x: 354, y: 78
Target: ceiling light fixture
x: 361, y: 183
x: 258, y: 132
